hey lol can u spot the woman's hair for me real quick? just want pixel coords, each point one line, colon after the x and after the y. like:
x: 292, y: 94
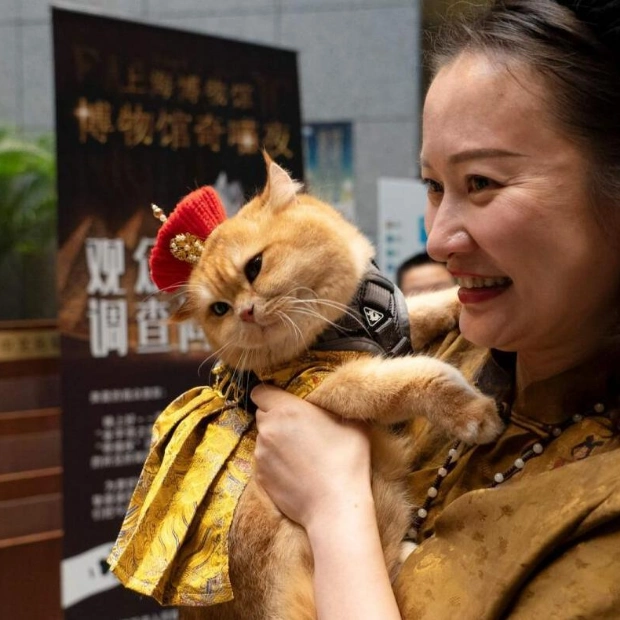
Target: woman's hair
x: 574, y: 45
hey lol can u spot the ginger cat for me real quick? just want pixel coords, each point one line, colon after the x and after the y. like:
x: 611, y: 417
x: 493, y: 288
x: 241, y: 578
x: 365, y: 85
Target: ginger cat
x: 268, y: 283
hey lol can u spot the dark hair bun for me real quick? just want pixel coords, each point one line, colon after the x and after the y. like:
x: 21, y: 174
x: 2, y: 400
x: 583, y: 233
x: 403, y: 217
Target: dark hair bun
x: 602, y: 17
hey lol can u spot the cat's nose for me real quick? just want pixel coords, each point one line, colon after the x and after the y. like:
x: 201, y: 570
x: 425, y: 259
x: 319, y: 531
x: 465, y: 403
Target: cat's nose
x: 247, y: 314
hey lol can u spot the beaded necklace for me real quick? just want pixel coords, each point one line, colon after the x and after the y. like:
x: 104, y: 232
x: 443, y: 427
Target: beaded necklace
x: 533, y: 450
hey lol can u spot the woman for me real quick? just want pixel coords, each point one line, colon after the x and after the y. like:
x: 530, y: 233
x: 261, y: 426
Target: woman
x: 521, y: 155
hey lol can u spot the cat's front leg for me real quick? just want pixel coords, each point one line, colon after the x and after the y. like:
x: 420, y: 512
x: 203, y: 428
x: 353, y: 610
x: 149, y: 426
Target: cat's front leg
x: 432, y: 314
x: 396, y: 389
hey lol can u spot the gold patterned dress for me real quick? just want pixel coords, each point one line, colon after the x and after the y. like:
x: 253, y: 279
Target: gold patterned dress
x: 543, y: 543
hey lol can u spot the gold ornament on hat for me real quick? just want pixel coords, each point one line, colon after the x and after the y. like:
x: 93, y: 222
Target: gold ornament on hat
x: 183, y: 246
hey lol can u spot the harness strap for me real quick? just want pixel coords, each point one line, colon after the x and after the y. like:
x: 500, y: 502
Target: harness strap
x: 377, y: 321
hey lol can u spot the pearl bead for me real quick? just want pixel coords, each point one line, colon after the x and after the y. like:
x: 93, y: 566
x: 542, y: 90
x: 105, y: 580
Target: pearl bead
x: 432, y: 492
x: 557, y: 431
x: 537, y: 448
x: 577, y: 417
x: 519, y: 463
x: 442, y: 471
x: 422, y: 513
x: 599, y: 407
x: 452, y: 452
x: 498, y: 478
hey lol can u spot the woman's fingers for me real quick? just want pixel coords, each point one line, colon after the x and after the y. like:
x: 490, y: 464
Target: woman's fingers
x: 307, y: 459
x: 266, y: 397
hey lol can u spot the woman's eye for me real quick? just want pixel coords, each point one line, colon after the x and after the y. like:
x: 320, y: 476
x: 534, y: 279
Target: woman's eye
x: 478, y: 183
x: 433, y: 187
x: 220, y: 308
x: 252, y: 268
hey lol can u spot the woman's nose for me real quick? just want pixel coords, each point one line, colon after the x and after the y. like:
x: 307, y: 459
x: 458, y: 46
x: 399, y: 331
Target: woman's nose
x: 447, y: 232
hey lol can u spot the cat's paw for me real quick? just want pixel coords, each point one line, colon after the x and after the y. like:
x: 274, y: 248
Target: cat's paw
x: 477, y: 420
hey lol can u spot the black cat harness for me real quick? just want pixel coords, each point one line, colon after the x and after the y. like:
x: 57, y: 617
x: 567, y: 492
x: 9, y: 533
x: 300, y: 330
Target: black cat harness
x: 376, y: 322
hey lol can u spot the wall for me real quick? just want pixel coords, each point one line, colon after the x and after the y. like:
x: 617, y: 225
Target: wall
x: 358, y: 61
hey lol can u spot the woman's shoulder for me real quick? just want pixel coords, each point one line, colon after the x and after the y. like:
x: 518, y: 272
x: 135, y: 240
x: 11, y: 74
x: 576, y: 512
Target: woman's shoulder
x: 529, y: 539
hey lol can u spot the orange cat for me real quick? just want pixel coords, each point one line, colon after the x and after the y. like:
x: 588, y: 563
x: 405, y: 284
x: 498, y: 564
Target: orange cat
x: 269, y: 282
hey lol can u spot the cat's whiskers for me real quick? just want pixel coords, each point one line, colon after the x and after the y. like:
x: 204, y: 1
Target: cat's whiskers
x: 297, y: 333
x: 315, y: 299
x: 246, y: 388
x: 212, y: 355
x: 314, y: 314
x: 234, y: 382
x: 330, y: 304
x: 309, y: 310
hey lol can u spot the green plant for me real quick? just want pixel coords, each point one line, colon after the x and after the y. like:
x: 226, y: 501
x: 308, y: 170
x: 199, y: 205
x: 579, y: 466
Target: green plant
x: 27, y: 193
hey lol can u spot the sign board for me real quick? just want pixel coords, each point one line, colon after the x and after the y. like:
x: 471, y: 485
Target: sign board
x: 400, y: 227
x: 143, y: 114
x: 328, y: 163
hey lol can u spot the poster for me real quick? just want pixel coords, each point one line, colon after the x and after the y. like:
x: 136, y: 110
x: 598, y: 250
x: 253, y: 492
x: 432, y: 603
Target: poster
x: 328, y: 164
x: 143, y: 115
x: 400, y: 222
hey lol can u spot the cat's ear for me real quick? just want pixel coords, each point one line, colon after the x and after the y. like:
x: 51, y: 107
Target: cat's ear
x: 280, y: 189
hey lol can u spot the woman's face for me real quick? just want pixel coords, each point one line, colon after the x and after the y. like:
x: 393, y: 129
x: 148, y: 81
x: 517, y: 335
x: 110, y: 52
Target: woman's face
x: 508, y: 211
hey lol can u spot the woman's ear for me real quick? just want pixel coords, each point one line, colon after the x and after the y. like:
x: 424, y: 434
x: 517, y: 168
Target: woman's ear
x: 280, y: 189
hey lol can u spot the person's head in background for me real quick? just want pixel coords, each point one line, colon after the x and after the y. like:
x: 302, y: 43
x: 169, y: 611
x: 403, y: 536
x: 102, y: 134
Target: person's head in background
x: 421, y: 273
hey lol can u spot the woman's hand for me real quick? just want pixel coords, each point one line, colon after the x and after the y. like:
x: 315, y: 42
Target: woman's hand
x: 312, y: 464
x: 316, y: 469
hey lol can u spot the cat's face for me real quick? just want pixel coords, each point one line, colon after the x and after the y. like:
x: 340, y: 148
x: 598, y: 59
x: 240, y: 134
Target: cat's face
x: 271, y: 278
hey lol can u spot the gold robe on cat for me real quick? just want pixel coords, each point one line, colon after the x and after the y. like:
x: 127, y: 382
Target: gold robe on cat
x: 173, y: 544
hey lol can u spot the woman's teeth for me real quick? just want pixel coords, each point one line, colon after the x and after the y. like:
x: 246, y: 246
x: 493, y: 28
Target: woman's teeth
x: 469, y: 282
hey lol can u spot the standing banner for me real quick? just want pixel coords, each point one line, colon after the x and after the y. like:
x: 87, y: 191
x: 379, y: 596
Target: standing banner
x: 143, y: 114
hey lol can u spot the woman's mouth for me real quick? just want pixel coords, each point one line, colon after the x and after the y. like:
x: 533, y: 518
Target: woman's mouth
x: 475, y: 289
x: 479, y: 282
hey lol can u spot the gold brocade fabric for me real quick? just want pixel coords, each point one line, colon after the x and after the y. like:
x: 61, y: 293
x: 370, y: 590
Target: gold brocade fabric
x: 173, y: 544
x: 546, y: 542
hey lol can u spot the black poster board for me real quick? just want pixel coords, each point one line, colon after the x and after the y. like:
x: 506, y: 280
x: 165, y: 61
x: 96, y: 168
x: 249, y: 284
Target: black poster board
x: 143, y: 114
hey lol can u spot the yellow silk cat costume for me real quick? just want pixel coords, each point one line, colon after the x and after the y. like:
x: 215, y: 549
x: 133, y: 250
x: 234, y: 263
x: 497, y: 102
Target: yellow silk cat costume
x: 173, y: 542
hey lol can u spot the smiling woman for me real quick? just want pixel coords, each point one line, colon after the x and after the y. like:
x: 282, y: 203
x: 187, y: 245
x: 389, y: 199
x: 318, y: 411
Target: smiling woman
x: 510, y: 214
x: 521, y: 156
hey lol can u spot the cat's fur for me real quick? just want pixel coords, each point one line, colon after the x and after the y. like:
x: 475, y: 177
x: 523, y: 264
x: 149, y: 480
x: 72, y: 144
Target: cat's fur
x: 312, y: 262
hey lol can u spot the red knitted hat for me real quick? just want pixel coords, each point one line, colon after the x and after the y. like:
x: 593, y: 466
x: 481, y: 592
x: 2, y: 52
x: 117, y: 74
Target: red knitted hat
x: 179, y: 241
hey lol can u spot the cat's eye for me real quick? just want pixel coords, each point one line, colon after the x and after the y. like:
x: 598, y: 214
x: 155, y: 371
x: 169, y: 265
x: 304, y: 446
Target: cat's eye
x: 252, y: 268
x: 220, y: 308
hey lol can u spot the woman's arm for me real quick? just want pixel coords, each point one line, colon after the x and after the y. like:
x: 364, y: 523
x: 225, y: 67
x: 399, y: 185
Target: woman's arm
x: 316, y: 468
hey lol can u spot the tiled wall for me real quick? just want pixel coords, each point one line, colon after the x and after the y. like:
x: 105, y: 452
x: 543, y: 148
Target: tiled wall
x: 358, y: 61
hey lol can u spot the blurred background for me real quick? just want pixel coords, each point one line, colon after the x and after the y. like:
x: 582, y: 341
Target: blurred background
x: 360, y: 63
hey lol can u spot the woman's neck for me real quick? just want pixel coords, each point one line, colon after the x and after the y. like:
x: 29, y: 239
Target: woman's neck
x: 534, y: 366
